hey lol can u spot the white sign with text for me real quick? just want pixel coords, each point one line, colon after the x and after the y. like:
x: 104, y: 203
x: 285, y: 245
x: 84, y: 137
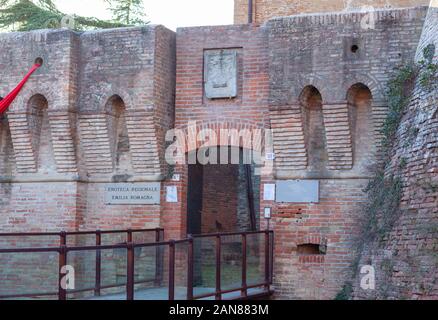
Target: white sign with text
x: 132, y: 193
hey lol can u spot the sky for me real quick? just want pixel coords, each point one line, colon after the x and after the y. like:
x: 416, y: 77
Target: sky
x: 170, y: 13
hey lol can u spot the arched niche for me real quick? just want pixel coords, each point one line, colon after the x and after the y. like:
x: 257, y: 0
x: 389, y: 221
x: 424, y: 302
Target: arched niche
x: 314, y: 130
x: 359, y: 98
x: 118, y: 133
x: 40, y: 133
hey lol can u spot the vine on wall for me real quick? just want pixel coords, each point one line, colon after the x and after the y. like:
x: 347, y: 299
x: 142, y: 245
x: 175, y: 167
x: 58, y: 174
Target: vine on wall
x: 384, y: 190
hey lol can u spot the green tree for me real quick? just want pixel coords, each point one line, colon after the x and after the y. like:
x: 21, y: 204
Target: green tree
x: 129, y: 12
x: 25, y: 15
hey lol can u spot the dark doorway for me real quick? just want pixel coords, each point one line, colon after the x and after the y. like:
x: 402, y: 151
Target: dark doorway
x: 194, y: 199
x: 223, y: 196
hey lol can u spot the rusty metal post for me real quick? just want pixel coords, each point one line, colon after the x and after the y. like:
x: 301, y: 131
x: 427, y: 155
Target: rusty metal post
x: 62, y: 292
x: 98, y: 264
x: 63, y: 238
x: 271, y: 261
x: 158, y: 259
x: 267, y: 261
x: 190, y: 261
x: 250, y: 11
x: 218, y: 268
x: 244, y: 266
x: 130, y: 272
x: 172, y: 270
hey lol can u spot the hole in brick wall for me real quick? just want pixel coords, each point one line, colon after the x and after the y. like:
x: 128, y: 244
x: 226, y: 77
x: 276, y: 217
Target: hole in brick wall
x: 354, y: 48
x: 311, y: 249
x: 39, y: 61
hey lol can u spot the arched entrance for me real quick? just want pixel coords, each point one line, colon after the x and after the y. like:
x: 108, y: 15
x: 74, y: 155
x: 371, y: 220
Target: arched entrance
x: 222, y: 195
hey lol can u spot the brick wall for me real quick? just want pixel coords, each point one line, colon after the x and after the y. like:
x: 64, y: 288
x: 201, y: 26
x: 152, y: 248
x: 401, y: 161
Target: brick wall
x: 405, y: 260
x: 247, y: 111
x: 219, y: 198
x: 328, y: 126
x: 95, y: 112
x: 111, y: 95
x: 340, y: 117
x: 263, y: 10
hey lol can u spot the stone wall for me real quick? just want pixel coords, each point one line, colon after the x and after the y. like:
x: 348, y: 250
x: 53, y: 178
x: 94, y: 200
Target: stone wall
x: 405, y: 259
x: 263, y: 10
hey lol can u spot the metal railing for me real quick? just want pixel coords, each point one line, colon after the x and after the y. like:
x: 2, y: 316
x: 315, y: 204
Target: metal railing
x: 63, y: 250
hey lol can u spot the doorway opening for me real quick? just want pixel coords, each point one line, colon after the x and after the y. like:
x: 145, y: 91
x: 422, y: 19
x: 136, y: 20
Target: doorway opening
x: 223, y: 196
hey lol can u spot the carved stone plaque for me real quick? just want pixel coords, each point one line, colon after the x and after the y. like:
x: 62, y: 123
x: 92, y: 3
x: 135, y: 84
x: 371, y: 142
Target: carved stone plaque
x: 297, y: 191
x: 132, y: 193
x: 220, y: 73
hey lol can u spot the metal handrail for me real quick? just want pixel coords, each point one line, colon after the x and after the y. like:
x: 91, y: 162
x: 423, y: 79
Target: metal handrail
x: 63, y: 249
x: 31, y: 234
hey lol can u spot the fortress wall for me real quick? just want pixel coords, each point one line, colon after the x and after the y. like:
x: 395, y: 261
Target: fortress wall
x: 84, y: 119
x: 98, y: 109
x: 263, y: 10
x: 405, y: 259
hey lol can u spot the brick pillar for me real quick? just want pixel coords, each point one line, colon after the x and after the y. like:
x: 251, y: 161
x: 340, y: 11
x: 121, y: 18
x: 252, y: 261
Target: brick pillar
x: 61, y: 126
x: 338, y: 134
x: 143, y: 141
x: 288, y: 137
x: 22, y: 141
x: 96, y: 143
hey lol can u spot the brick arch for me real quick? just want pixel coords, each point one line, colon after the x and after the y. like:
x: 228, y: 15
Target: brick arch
x: 109, y: 105
x: 60, y: 128
x: 22, y: 101
x: 316, y: 81
x: 216, y: 126
x: 354, y: 87
x: 303, y: 91
x: 36, y: 119
x: 115, y: 109
x: 373, y: 85
x: 122, y: 94
x: 39, y: 95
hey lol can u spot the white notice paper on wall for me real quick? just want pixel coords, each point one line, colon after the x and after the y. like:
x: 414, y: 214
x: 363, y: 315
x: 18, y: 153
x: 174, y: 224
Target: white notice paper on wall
x: 171, y: 194
x: 269, y: 192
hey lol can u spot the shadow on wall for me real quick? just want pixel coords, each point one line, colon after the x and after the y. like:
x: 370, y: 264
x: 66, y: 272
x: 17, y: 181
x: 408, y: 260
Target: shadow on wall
x: 314, y: 130
x: 40, y: 133
x: 118, y: 132
x: 359, y: 100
